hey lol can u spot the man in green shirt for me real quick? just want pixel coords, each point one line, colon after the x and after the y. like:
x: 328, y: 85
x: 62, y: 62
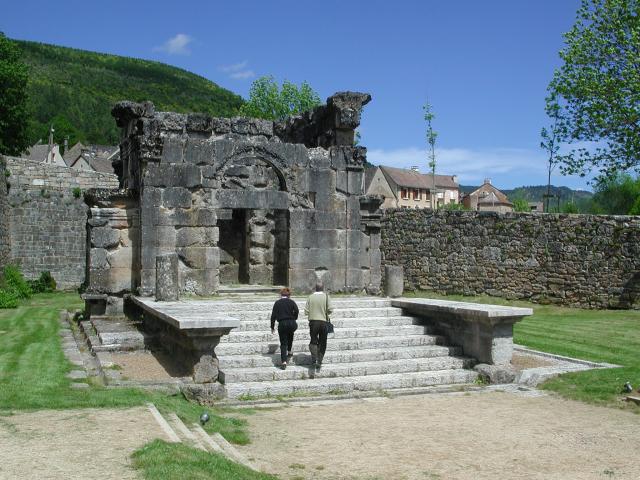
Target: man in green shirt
x: 318, y: 309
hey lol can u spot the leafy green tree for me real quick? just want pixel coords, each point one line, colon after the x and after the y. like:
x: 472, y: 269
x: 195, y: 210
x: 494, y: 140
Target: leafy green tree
x: 14, y: 114
x: 432, y: 135
x: 268, y: 101
x: 597, y: 89
x: 521, y: 205
x: 617, y: 195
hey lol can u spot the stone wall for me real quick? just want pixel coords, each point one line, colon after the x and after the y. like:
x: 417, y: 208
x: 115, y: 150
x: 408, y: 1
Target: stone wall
x: 575, y: 260
x: 4, y: 215
x: 47, y: 218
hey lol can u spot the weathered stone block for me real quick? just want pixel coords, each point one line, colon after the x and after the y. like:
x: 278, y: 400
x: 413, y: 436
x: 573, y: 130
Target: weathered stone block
x: 172, y: 150
x: 496, y: 374
x: 169, y: 175
x: 121, y: 258
x: 105, y: 237
x: 393, y: 280
x: 174, y: 197
x: 167, y: 286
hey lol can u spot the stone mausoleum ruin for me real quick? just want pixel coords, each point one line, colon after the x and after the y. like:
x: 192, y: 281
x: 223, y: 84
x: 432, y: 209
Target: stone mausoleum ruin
x: 240, y: 201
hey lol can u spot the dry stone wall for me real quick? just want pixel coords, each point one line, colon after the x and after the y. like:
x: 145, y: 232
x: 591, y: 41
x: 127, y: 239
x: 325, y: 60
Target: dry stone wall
x: 4, y: 215
x: 575, y: 260
x: 47, y: 219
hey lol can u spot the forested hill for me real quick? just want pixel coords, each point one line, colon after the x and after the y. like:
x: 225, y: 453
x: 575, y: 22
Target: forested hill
x: 535, y: 193
x: 76, y: 89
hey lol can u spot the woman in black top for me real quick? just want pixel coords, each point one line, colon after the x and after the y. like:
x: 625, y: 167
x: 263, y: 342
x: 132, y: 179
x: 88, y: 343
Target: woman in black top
x: 285, y: 311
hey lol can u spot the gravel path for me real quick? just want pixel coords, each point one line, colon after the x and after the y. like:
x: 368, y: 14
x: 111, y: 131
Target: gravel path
x: 74, y: 444
x: 454, y: 436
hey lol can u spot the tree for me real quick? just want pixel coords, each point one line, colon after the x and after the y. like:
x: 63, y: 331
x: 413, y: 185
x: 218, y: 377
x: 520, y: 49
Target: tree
x: 14, y: 114
x: 521, y: 205
x: 550, y: 143
x: 597, y: 89
x: 268, y: 101
x: 431, y: 141
x: 616, y: 195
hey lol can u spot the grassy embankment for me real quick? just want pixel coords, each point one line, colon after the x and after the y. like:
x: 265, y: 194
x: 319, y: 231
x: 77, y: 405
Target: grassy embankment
x: 33, y: 372
x: 611, y: 336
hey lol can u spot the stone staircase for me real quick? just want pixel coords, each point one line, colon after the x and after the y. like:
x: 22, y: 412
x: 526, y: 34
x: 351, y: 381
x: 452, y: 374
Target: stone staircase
x: 375, y: 348
x: 195, y: 436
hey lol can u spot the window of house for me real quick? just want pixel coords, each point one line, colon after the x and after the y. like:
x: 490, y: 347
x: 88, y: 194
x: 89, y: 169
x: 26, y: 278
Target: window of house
x: 404, y: 193
x: 416, y: 194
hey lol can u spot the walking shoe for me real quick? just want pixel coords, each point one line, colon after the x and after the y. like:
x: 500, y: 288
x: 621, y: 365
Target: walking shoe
x: 318, y: 366
x: 289, y: 356
x: 283, y: 366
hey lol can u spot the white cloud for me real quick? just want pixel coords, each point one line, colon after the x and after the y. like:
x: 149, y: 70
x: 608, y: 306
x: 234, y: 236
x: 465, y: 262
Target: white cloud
x: 238, y: 71
x: 521, y: 166
x: 178, y: 45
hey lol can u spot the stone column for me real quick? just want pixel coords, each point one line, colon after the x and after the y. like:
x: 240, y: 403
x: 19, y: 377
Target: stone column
x: 167, y: 277
x: 393, y: 280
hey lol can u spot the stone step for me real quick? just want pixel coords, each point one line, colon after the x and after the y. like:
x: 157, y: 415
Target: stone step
x: 336, y: 313
x: 264, y: 324
x: 108, y: 336
x: 232, y: 348
x: 232, y: 305
x: 335, y: 385
x: 347, y: 356
x: 299, y: 372
x: 302, y: 334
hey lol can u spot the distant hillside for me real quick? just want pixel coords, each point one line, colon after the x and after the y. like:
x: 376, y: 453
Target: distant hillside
x: 535, y: 193
x: 76, y: 90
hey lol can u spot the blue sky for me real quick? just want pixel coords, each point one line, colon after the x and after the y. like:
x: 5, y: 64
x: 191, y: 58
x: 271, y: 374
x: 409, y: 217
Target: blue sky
x: 484, y: 65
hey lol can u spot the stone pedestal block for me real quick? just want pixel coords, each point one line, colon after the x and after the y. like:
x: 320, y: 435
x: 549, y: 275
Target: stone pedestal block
x: 394, y: 280
x: 485, y: 332
x: 167, y: 277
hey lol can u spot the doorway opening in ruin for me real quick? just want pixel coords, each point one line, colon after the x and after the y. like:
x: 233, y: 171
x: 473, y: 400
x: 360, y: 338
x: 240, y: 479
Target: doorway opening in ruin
x: 254, y: 247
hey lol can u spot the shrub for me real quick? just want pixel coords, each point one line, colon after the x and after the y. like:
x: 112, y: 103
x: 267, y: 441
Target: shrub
x: 45, y: 283
x: 8, y: 298
x: 14, y: 281
x: 77, y: 191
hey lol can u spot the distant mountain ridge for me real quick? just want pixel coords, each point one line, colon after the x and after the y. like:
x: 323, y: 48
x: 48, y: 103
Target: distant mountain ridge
x: 535, y: 193
x: 76, y: 89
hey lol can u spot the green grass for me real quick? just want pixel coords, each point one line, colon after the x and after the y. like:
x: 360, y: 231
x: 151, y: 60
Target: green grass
x: 165, y: 461
x: 33, y: 371
x: 611, y: 336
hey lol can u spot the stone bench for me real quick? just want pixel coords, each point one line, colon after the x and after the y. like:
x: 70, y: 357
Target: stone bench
x: 188, y: 329
x: 485, y: 332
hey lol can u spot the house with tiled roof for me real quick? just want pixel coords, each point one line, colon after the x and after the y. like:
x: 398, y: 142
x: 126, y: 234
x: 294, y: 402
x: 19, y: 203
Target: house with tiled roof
x: 408, y: 188
x: 98, y: 158
x: 42, y: 153
x: 487, y: 198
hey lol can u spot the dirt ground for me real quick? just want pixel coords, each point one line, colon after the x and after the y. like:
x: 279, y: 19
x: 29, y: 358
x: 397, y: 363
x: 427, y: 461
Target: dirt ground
x: 74, y: 444
x: 455, y: 436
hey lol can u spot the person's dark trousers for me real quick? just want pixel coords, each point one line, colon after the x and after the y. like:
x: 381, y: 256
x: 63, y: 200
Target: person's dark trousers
x: 318, y: 343
x: 286, y: 328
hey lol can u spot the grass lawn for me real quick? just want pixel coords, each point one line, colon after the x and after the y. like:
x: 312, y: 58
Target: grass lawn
x: 33, y: 372
x: 611, y: 336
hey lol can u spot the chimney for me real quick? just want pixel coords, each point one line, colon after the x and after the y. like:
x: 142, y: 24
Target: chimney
x: 66, y: 144
x: 455, y: 179
x: 415, y: 168
x: 487, y: 180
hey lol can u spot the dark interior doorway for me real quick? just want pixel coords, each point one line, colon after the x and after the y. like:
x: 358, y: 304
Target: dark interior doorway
x: 254, y: 247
